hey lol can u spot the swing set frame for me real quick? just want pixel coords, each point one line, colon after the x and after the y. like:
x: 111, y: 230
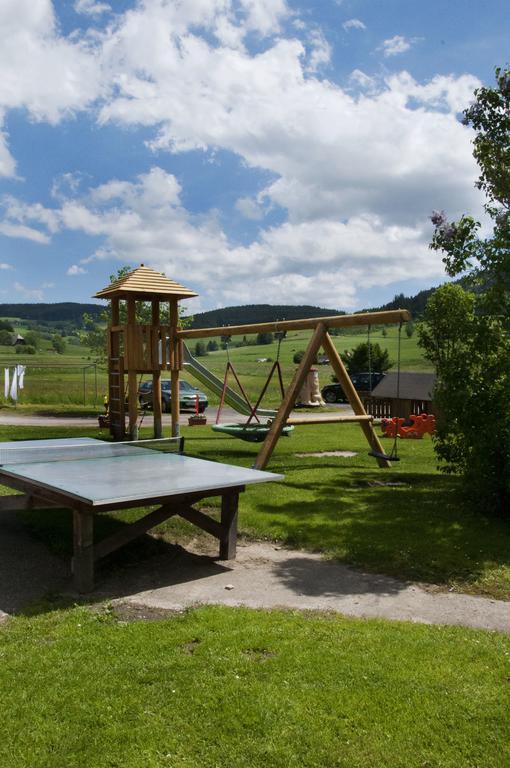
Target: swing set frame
x: 320, y: 338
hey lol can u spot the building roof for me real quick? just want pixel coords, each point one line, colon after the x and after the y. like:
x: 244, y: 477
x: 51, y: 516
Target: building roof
x: 145, y: 283
x: 413, y: 386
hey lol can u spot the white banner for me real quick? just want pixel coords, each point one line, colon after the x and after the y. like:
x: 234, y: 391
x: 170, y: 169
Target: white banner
x: 6, y: 383
x: 14, y: 385
x: 21, y: 375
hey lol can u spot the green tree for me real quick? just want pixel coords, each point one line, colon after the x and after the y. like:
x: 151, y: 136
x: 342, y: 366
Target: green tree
x: 445, y: 333
x: 5, y: 338
x: 358, y: 360
x: 487, y: 258
x: 212, y: 345
x: 200, y: 349
x: 33, y: 339
x: 5, y: 325
x: 265, y: 337
x: 474, y: 373
x: 58, y: 344
x: 409, y: 329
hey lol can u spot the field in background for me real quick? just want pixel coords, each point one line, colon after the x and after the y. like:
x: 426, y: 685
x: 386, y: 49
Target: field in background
x: 70, y: 380
x: 253, y: 373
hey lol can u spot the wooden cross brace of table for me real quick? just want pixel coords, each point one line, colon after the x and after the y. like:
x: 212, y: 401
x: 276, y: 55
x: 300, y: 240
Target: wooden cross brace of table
x: 86, y: 553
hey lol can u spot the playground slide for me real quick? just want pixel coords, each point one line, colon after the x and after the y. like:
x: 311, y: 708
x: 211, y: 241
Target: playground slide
x: 214, y: 384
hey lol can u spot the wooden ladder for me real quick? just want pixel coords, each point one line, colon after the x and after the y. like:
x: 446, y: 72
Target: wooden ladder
x: 116, y: 398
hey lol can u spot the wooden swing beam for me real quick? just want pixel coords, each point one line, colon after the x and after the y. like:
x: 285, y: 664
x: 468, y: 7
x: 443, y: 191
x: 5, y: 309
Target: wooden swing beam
x: 332, y: 321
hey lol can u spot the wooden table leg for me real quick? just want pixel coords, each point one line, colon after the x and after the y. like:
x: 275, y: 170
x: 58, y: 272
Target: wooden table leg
x: 83, y: 560
x: 228, y: 539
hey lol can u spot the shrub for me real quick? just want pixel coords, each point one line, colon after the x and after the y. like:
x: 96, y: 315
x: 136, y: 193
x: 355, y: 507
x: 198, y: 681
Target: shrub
x: 58, y: 344
x: 6, y: 338
x: 200, y: 349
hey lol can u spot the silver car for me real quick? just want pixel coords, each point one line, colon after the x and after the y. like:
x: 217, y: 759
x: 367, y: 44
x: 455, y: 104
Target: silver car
x: 187, y: 396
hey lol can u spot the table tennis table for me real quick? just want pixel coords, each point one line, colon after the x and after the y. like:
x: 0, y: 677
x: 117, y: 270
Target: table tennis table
x: 91, y: 476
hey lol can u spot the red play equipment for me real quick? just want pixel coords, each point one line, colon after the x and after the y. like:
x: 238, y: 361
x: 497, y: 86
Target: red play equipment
x: 421, y: 425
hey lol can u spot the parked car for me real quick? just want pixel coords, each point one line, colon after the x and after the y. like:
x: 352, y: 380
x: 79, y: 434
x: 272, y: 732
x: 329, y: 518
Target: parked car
x: 187, y: 396
x: 333, y: 393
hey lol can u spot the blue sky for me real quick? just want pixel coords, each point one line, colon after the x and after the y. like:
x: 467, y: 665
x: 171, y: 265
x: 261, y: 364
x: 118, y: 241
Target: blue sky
x: 268, y: 151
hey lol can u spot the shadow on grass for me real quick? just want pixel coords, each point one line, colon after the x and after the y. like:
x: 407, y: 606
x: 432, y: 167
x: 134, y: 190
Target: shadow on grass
x: 419, y: 528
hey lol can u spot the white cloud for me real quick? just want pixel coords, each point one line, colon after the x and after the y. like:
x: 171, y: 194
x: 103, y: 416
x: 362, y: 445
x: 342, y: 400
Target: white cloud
x: 397, y: 44
x: 3, y: 265
x: 362, y: 80
x: 249, y: 208
x: 31, y: 294
x: 353, y: 24
x: 323, y: 258
x: 91, y: 7
x: 28, y: 222
x: 7, y: 161
x: 320, y: 51
x: 75, y: 269
x: 46, y: 74
x: 355, y: 172
x: 446, y: 92
x: 23, y: 232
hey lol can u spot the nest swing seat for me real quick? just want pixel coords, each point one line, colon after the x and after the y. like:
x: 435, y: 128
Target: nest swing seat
x: 252, y: 433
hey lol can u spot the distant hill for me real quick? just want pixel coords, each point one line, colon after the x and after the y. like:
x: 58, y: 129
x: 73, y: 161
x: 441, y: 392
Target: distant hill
x: 64, y: 311
x: 415, y: 304
x: 258, y: 313
x: 239, y: 315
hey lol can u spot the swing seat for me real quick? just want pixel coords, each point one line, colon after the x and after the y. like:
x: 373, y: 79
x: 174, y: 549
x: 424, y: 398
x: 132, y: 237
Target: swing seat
x: 378, y: 455
x: 251, y: 433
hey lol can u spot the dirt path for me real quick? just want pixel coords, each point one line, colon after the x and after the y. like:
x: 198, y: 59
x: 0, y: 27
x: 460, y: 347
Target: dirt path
x: 262, y: 576
x: 265, y: 576
x: 10, y: 418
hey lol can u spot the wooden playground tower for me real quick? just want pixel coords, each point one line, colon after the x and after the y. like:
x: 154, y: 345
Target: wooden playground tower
x: 135, y: 349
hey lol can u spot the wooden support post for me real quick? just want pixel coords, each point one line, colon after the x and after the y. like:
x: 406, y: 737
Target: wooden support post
x: 353, y: 398
x: 115, y: 377
x: 83, y: 559
x: 289, y: 400
x: 132, y: 378
x: 156, y: 373
x: 228, y: 540
x: 174, y: 372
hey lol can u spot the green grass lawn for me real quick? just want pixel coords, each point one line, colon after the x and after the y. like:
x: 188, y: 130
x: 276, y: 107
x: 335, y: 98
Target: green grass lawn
x: 230, y: 687
x: 420, y: 529
x: 91, y: 687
